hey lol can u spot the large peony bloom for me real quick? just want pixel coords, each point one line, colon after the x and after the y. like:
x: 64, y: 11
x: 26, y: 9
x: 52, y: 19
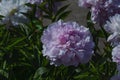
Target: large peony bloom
x: 113, y: 27
x: 67, y: 43
x: 12, y: 11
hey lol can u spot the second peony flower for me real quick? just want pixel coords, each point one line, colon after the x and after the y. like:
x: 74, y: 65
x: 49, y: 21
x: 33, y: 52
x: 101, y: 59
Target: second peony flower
x: 67, y: 43
x: 113, y: 27
x: 13, y: 12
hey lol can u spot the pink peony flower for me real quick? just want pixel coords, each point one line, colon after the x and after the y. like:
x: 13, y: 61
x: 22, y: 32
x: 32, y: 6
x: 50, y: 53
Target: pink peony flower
x: 67, y: 43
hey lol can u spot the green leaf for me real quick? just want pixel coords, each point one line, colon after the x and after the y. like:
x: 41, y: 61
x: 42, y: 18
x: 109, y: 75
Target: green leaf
x: 64, y: 15
x: 83, y: 75
x: 40, y: 71
x: 62, y: 9
x: 100, y: 33
x: 4, y: 73
x: 42, y: 6
x: 1, y: 17
x: 18, y: 40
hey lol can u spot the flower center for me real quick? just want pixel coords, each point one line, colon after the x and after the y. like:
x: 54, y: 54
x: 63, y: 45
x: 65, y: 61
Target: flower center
x: 12, y: 12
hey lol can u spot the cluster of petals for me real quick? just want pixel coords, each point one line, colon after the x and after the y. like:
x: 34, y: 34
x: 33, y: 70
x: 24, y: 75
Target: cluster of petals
x: 113, y: 28
x: 104, y: 9
x: 67, y: 43
x: 13, y: 11
x: 101, y: 10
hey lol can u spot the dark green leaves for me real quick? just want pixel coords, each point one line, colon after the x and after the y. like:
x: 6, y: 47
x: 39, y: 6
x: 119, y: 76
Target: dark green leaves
x: 39, y: 72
